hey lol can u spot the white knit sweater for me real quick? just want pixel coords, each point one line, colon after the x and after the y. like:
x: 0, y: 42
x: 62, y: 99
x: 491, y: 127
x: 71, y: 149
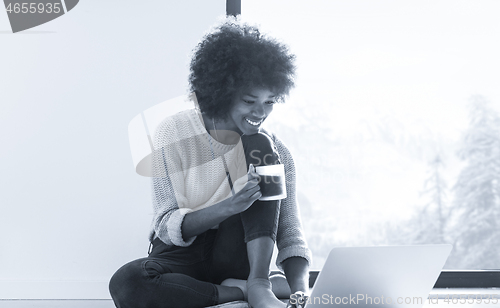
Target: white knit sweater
x: 190, y: 175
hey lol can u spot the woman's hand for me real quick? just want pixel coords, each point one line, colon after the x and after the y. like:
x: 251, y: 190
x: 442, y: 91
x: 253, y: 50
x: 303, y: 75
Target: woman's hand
x: 248, y: 191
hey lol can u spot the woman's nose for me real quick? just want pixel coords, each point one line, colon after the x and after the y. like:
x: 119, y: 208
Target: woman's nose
x: 259, y: 110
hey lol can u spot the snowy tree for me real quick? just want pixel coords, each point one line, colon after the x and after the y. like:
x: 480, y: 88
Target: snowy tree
x: 476, y: 207
x: 433, y: 216
x: 428, y: 223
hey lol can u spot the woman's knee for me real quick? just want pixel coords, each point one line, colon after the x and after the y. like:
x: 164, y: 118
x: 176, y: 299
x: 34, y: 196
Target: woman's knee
x: 260, y: 149
x: 125, y: 285
x: 145, y: 283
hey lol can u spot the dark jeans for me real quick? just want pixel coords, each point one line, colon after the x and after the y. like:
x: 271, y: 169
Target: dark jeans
x: 173, y: 276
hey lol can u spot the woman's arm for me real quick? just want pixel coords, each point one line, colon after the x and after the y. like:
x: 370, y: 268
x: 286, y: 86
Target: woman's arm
x: 294, y: 256
x: 200, y: 221
x: 174, y: 222
x: 179, y: 226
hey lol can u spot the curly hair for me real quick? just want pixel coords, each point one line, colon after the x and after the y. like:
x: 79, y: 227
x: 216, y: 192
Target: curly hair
x: 235, y: 57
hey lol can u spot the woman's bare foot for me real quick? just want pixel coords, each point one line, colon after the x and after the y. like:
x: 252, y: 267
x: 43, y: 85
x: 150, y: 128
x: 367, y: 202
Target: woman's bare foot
x: 242, y: 284
x: 260, y: 294
x: 280, y: 286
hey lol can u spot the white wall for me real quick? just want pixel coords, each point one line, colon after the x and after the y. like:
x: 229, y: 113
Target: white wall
x: 72, y: 208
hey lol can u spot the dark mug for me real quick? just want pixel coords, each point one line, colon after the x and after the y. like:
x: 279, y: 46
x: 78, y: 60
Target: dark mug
x: 272, y: 182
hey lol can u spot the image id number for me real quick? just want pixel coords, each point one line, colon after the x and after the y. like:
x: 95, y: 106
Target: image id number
x: 33, y: 8
x: 472, y: 298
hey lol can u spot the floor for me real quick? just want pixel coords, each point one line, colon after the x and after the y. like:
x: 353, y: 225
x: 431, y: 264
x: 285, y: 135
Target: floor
x: 61, y: 303
x: 453, y: 301
x: 109, y: 304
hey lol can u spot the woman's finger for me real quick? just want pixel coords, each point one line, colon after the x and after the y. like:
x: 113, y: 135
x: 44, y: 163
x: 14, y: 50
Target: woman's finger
x: 253, y: 175
x: 250, y: 191
x: 251, y: 184
x: 252, y: 171
x: 256, y: 195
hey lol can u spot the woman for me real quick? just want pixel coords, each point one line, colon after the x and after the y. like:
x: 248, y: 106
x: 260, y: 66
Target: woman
x: 212, y: 239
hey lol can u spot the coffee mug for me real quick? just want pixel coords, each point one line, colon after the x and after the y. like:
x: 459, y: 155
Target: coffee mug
x: 272, y: 182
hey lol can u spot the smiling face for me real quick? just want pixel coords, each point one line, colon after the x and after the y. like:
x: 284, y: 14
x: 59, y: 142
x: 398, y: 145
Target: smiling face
x: 250, y: 109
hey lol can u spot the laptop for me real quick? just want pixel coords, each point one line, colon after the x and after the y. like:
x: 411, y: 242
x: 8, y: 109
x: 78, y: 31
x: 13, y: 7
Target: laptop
x: 387, y: 276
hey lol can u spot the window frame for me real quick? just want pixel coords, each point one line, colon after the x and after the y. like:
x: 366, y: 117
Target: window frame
x: 447, y: 278
x: 454, y: 279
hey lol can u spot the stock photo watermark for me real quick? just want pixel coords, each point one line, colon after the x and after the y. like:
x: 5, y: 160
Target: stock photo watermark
x: 25, y: 14
x: 365, y: 299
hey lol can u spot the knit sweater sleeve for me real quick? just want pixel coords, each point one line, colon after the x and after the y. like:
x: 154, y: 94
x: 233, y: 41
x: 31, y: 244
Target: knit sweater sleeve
x: 168, y: 191
x: 290, y: 238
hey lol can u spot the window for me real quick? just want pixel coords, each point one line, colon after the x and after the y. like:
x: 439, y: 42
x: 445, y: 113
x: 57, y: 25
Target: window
x: 395, y: 122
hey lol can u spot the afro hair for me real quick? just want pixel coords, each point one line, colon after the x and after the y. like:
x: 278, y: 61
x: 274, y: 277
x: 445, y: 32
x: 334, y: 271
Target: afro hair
x: 235, y: 57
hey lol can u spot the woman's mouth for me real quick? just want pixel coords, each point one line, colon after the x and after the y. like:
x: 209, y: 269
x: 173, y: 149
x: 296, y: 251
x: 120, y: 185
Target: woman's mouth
x: 254, y: 123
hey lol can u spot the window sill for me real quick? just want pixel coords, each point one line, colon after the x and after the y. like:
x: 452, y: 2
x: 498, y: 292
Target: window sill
x: 463, y: 279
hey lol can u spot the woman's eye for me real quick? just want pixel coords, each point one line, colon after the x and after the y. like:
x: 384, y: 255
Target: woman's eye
x: 252, y: 102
